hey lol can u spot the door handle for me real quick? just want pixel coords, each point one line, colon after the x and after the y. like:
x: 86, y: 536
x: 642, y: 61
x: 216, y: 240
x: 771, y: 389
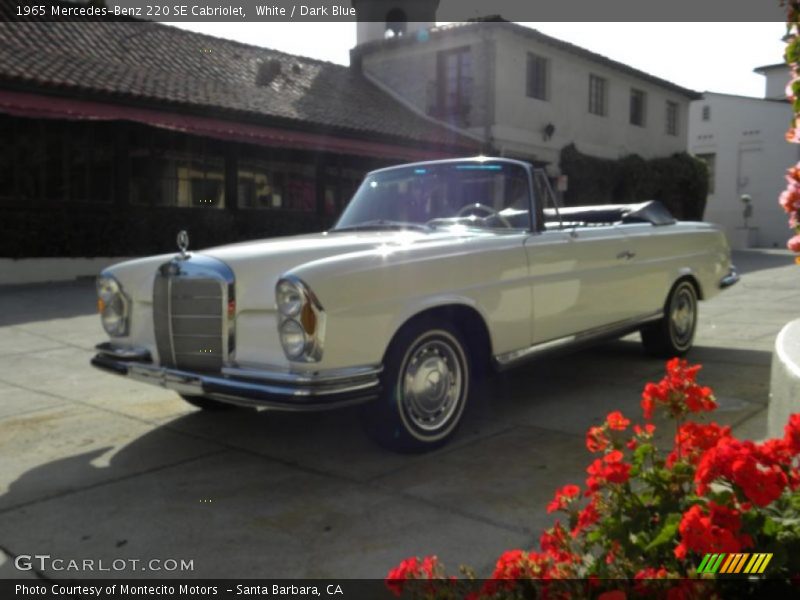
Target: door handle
x: 626, y: 254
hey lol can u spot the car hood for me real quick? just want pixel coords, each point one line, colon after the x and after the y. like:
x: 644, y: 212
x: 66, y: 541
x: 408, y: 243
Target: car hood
x: 258, y: 265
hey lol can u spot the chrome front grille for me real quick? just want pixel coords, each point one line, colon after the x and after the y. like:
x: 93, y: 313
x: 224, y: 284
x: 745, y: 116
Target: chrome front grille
x: 193, y: 308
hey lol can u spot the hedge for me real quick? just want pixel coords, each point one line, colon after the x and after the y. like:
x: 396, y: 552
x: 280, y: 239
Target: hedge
x: 679, y: 181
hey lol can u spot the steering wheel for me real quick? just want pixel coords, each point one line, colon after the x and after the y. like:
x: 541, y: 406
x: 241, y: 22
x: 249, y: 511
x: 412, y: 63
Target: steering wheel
x: 490, y: 212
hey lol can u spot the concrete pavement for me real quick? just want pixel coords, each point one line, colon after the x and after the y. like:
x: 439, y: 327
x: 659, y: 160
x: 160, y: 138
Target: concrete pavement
x: 94, y: 466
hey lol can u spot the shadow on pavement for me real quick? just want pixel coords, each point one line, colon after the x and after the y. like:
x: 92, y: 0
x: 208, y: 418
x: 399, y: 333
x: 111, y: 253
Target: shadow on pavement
x: 311, y: 495
x: 749, y: 261
x: 41, y: 302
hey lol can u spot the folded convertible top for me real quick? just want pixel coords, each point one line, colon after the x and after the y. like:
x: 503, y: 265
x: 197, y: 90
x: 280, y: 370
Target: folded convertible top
x: 650, y: 211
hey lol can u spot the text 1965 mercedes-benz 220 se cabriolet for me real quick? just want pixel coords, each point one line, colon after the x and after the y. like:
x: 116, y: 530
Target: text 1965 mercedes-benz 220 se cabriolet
x: 434, y: 272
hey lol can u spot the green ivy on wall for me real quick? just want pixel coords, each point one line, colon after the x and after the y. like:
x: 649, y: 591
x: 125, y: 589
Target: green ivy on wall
x: 679, y: 181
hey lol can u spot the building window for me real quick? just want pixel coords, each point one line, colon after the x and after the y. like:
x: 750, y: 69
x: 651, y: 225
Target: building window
x: 537, y: 77
x: 598, y: 89
x: 710, y: 160
x: 170, y: 169
x: 56, y: 161
x: 706, y: 113
x: 454, y: 85
x: 273, y: 185
x: 638, y: 107
x: 672, y: 118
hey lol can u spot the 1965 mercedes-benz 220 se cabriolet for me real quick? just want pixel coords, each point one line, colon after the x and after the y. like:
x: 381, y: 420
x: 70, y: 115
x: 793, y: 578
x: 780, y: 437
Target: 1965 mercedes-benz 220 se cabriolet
x: 434, y: 272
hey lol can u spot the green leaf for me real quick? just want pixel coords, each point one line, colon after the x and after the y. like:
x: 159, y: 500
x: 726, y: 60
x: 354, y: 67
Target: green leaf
x: 642, y: 451
x: 770, y: 527
x: 667, y: 533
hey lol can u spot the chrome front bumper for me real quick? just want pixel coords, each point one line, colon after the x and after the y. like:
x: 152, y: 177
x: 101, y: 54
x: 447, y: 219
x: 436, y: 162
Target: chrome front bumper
x: 275, y: 389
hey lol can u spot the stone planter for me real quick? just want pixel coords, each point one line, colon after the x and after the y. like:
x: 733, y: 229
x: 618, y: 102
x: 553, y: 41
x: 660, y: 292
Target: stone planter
x: 784, y: 395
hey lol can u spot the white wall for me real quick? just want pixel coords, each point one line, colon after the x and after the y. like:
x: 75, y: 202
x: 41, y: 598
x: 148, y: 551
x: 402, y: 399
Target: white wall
x: 776, y: 78
x: 747, y: 137
x: 520, y: 119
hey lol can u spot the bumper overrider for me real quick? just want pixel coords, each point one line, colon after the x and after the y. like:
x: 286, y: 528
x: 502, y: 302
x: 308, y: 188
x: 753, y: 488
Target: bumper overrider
x: 730, y: 279
x: 274, y: 389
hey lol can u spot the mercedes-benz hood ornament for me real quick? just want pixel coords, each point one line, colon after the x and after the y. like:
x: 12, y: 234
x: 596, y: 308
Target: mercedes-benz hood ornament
x: 183, y: 243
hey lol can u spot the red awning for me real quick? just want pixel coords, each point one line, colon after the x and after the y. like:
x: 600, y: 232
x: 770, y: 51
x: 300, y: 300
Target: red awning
x: 51, y: 107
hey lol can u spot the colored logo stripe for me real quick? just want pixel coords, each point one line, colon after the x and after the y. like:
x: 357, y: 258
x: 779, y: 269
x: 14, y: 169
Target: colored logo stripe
x: 710, y: 563
x: 735, y: 563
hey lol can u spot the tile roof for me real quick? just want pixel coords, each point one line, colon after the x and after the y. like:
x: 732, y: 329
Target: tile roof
x: 159, y: 65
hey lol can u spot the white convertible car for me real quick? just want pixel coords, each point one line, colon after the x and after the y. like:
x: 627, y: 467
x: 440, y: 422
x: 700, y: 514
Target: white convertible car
x: 435, y: 272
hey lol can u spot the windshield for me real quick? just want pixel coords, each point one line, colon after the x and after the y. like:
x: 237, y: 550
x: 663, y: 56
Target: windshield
x: 474, y: 194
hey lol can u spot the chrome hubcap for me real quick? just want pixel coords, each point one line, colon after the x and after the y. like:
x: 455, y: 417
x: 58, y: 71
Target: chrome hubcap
x: 683, y: 315
x: 431, y: 384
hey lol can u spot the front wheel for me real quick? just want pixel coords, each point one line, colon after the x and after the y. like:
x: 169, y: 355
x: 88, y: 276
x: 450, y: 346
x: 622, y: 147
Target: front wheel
x: 426, y: 383
x: 673, y: 334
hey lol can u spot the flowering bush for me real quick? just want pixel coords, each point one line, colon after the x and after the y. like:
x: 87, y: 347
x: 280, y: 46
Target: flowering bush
x: 644, y: 514
x: 790, y: 198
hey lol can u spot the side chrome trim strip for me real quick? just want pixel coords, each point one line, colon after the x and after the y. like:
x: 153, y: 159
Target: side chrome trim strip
x: 509, y: 359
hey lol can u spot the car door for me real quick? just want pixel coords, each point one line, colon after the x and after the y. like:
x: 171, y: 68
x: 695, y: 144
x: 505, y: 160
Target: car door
x: 577, y: 281
x: 577, y: 274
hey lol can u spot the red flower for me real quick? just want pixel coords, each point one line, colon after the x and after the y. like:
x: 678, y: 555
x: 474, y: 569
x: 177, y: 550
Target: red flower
x: 791, y: 434
x: 652, y: 393
x: 518, y: 564
x: 596, y: 440
x: 718, y: 530
x: 609, y: 469
x: 407, y: 569
x: 693, y: 439
x: 617, y: 421
x: 793, y: 174
x: 749, y: 466
x: 555, y: 544
x: 677, y: 391
x: 588, y: 516
x: 761, y: 485
x: 411, y: 568
x: 563, y: 497
x: 790, y: 198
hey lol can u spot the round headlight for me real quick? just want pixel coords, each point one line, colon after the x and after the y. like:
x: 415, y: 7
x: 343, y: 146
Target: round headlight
x: 107, y: 287
x: 293, y: 338
x: 112, y: 306
x: 289, y: 297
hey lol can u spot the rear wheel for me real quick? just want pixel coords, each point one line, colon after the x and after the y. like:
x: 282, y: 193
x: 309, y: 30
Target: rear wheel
x: 426, y: 384
x: 207, y: 403
x: 673, y: 334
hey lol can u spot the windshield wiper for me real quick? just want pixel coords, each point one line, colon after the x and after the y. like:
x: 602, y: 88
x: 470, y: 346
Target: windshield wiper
x: 383, y: 224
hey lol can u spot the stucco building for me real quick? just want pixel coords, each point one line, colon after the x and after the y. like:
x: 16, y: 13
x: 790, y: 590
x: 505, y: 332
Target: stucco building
x: 742, y: 141
x: 522, y: 93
